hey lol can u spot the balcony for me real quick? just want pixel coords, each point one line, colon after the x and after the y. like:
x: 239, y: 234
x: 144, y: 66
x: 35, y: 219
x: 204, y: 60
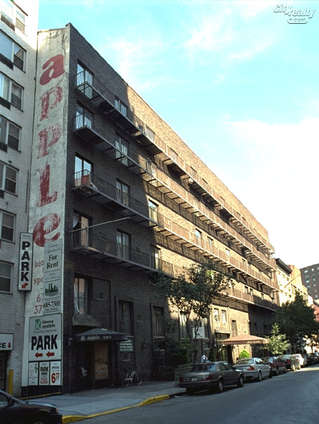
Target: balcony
x: 95, y: 242
x: 101, y: 191
x: 105, y: 100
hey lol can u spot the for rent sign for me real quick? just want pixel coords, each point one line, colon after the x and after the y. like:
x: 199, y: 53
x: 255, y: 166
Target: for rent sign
x: 45, y: 338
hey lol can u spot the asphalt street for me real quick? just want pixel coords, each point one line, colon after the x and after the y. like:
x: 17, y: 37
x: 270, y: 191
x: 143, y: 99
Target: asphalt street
x: 291, y: 398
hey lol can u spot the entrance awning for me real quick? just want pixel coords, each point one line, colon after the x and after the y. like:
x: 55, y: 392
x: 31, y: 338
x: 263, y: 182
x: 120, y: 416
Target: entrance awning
x: 100, y: 334
x: 244, y: 339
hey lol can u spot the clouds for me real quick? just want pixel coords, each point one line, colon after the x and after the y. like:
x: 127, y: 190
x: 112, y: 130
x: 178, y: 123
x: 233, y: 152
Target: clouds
x: 280, y: 182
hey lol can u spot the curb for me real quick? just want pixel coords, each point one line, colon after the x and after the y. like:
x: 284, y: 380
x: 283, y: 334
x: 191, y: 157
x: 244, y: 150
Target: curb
x: 74, y: 418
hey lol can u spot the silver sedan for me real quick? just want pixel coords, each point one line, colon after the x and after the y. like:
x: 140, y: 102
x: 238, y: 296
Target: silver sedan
x: 254, y: 368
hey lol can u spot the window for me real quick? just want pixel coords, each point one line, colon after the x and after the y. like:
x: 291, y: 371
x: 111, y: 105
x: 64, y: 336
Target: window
x: 20, y: 21
x: 152, y: 210
x: 83, y: 118
x: 123, y: 243
x: 210, y: 243
x: 126, y: 317
x: 198, y: 237
x: 122, y: 193
x: 121, y: 107
x: 9, y: 134
x: 5, y: 276
x: 227, y: 251
x: 82, y: 171
x: 121, y: 151
x: 216, y: 315
x: 11, y: 91
x: 149, y: 133
x: 11, y: 51
x: 158, y: 322
x: 155, y: 257
x: 84, y: 81
x: 150, y: 168
x: 183, y: 326
x: 80, y: 295
x: 7, y: 221
x: 81, y: 231
x: 224, y: 317
x: 234, y: 328
x: 173, y: 154
x: 11, y: 16
x: 8, y: 178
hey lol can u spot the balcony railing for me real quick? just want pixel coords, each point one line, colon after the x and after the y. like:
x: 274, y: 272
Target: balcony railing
x: 87, y: 182
x: 105, y: 192
x: 99, y: 94
x: 96, y: 242
x: 150, y: 174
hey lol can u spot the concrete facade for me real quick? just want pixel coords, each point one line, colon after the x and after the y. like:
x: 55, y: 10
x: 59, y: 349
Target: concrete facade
x: 18, y: 37
x: 135, y: 200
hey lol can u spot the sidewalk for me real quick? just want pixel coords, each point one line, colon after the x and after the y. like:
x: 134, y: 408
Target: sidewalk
x: 87, y: 404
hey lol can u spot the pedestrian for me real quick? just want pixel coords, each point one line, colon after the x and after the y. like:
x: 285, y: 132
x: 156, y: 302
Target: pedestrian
x: 203, y: 358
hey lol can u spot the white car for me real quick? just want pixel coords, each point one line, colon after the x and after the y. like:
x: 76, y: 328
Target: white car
x: 302, y: 359
x: 254, y: 368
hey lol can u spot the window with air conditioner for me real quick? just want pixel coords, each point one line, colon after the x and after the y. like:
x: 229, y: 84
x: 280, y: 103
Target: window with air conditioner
x: 11, y: 92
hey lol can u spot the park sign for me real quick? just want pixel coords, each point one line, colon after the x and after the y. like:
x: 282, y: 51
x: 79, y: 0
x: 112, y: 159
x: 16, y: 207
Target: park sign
x: 45, y: 340
x: 25, y: 262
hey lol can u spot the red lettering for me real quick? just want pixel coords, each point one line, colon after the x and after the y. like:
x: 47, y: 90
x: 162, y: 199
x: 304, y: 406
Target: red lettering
x: 53, y: 68
x: 44, y: 143
x: 45, y: 187
x: 45, y: 227
x: 47, y: 103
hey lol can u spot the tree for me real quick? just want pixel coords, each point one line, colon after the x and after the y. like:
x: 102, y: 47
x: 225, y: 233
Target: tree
x: 277, y: 344
x: 193, y: 293
x: 296, y: 319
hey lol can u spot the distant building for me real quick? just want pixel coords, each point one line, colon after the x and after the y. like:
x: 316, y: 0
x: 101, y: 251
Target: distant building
x: 18, y: 39
x: 310, y: 278
x: 289, y: 283
x: 283, y: 273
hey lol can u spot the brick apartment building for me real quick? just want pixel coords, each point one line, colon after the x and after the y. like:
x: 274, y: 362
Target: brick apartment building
x: 310, y: 278
x: 115, y: 195
x: 18, y: 36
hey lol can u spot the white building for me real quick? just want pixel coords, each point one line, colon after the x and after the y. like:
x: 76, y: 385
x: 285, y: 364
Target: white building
x: 18, y: 35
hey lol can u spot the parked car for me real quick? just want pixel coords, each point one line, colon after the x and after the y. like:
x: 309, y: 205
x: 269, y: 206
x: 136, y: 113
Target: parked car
x: 292, y: 362
x: 313, y: 358
x: 302, y: 359
x: 16, y: 411
x: 278, y: 366
x: 211, y: 375
x: 253, y: 368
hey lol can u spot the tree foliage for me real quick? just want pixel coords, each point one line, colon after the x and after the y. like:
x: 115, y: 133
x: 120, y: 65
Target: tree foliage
x: 193, y: 292
x: 296, y: 319
x: 277, y: 344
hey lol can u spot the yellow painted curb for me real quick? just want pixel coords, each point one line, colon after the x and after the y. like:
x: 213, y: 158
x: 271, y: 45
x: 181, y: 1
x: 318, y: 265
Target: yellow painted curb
x: 73, y: 418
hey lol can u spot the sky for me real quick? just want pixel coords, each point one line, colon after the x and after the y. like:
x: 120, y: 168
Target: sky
x: 238, y: 81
